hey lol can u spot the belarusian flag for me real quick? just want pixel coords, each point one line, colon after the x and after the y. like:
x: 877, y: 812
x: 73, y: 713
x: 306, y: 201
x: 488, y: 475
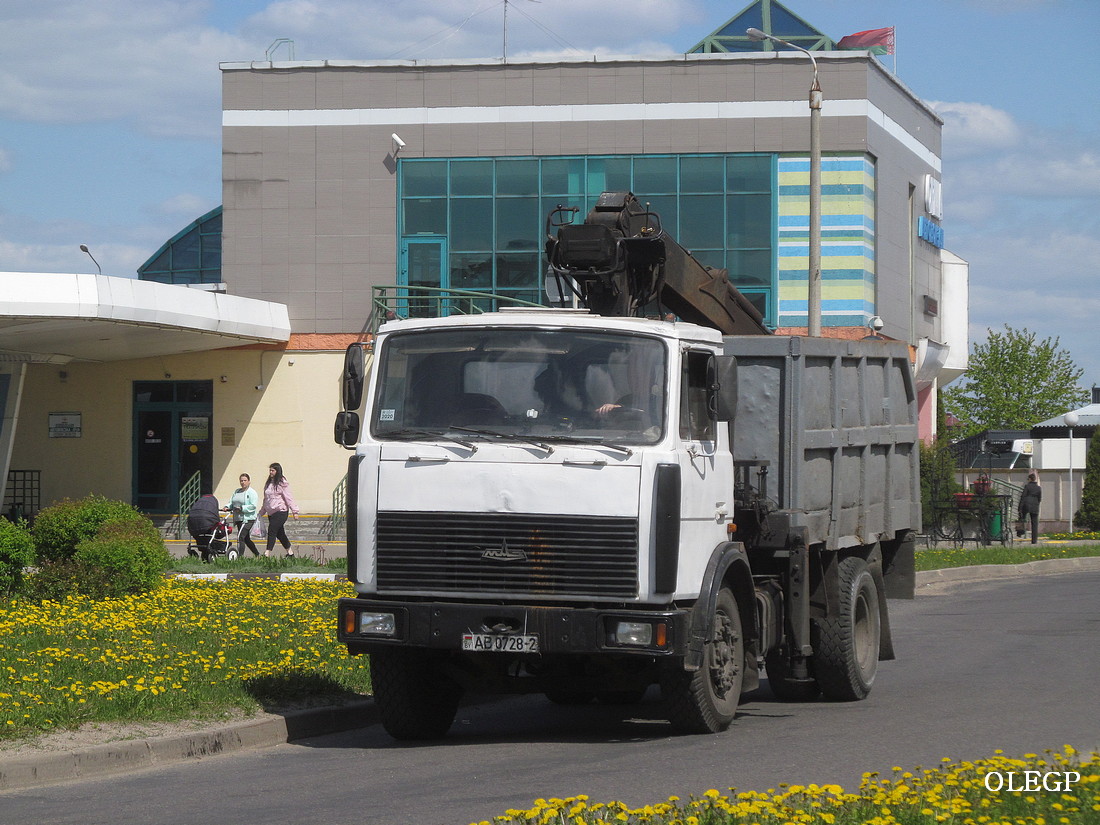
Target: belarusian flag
x: 876, y: 41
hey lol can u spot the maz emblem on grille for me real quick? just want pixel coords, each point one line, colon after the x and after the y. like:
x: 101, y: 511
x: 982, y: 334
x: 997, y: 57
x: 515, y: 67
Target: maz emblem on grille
x: 504, y: 553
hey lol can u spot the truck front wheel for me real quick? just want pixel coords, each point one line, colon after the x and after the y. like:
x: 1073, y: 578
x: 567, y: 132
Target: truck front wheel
x: 706, y: 701
x: 415, y: 698
x: 846, y: 644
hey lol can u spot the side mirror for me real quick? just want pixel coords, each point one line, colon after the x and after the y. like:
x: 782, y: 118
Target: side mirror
x: 722, y: 387
x: 346, y: 429
x: 353, y: 377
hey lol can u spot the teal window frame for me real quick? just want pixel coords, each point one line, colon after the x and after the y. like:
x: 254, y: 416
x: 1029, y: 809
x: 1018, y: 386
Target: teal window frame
x: 492, y: 210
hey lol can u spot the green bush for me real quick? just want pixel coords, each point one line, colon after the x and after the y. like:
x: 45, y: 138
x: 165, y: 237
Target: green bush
x: 53, y: 581
x: 124, y: 557
x: 16, y: 552
x: 1088, y: 516
x: 59, y: 528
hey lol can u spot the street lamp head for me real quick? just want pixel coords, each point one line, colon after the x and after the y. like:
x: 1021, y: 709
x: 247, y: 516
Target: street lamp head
x: 1071, y: 419
x: 756, y: 34
x: 83, y: 247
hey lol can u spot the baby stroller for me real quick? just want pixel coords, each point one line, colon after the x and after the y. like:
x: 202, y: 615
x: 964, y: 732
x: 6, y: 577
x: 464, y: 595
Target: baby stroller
x: 210, y: 533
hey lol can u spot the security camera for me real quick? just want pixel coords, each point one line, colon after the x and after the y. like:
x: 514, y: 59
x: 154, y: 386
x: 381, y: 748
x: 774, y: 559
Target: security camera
x: 398, y: 142
x: 875, y: 323
x: 259, y: 386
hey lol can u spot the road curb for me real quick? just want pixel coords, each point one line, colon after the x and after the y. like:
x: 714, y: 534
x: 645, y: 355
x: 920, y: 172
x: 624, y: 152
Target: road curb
x: 50, y: 768
x: 97, y: 761
x: 993, y: 572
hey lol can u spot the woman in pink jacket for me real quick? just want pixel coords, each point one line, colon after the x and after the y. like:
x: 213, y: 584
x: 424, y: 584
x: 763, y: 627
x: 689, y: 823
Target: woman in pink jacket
x: 278, y: 505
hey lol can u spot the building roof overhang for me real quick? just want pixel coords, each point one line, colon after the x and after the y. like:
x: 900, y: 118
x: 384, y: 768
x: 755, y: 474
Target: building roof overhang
x: 59, y: 317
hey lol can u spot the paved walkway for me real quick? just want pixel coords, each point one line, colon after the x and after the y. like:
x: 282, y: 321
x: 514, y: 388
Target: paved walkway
x: 268, y: 730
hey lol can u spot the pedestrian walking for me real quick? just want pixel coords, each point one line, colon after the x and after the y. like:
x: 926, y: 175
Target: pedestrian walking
x: 1029, y: 505
x: 278, y: 506
x: 243, y: 505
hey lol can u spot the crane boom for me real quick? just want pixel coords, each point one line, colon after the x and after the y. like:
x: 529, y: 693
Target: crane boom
x: 621, y: 261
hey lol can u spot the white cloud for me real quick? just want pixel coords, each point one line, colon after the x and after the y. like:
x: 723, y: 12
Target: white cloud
x: 973, y: 128
x: 153, y: 62
x: 185, y: 206
x: 419, y: 29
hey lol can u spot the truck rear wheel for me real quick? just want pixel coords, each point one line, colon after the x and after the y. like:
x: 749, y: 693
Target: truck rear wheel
x: 846, y: 645
x: 415, y: 699
x: 706, y: 701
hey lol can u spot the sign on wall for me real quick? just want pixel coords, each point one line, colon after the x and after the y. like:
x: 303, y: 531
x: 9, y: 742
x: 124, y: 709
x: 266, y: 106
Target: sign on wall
x: 64, y: 424
x: 195, y: 428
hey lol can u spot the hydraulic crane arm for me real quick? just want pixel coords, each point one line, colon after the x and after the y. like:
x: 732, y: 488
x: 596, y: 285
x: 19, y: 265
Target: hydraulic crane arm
x: 620, y: 262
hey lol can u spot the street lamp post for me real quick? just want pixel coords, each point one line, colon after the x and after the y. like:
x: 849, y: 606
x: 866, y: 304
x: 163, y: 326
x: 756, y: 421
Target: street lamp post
x: 1071, y: 419
x: 86, y: 251
x: 813, y: 304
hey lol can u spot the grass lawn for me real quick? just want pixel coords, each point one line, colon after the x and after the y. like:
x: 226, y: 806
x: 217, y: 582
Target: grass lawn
x: 190, y: 649
x: 938, y: 558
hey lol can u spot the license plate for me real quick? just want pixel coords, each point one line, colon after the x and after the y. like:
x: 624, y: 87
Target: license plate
x: 499, y: 643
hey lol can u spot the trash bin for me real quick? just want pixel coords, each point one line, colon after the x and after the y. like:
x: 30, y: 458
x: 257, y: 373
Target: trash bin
x: 996, y: 525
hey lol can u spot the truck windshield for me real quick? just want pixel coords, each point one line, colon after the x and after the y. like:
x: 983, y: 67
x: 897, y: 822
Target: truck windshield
x: 592, y: 386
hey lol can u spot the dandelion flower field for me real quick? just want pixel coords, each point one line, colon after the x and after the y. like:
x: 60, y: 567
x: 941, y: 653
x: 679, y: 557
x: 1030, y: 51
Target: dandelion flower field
x: 957, y: 793
x: 190, y: 649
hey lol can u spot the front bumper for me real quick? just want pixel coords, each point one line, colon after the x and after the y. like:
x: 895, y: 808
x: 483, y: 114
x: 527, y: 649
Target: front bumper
x: 561, y: 630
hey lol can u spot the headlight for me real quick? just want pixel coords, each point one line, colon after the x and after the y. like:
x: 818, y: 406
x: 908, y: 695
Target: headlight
x: 638, y: 634
x: 377, y: 624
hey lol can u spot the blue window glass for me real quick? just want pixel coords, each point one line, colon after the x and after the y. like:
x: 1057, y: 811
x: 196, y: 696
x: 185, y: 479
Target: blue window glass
x: 654, y: 176
x: 702, y: 222
x: 518, y: 177
x: 424, y: 178
x: 425, y: 215
x: 472, y: 177
x: 492, y: 212
x: 750, y: 222
x: 749, y: 173
x: 185, y: 251
x: 518, y: 223
x: 471, y: 224
x: 702, y: 174
x: 563, y: 176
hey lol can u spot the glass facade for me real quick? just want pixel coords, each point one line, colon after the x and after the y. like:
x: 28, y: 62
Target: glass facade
x: 193, y: 256
x: 488, y: 215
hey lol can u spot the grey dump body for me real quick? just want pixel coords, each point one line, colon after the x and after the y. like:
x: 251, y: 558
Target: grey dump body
x: 833, y: 425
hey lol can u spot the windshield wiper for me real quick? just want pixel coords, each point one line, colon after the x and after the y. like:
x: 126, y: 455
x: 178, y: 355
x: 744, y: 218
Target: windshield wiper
x: 506, y: 437
x: 588, y: 442
x: 406, y: 433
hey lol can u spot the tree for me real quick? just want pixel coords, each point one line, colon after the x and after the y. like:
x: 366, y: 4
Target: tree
x: 1013, y: 382
x: 1088, y: 515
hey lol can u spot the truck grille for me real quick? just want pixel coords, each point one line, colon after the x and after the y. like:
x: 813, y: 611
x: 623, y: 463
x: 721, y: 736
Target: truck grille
x: 508, y: 553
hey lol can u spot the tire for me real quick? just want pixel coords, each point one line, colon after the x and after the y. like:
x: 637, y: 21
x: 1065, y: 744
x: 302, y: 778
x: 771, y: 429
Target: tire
x: 232, y: 554
x: 784, y: 688
x: 415, y: 699
x: 706, y: 701
x: 846, y: 645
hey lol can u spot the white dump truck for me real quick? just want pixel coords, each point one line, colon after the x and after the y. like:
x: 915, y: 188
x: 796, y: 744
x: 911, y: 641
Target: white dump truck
x: 586, y: 505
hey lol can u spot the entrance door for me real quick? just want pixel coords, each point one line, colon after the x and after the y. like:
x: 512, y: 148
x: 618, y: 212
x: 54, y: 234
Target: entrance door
x: 173, y: 425
x: 423, y: 264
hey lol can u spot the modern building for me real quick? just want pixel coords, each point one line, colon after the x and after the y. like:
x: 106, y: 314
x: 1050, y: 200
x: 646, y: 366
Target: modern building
x: 355, y: 187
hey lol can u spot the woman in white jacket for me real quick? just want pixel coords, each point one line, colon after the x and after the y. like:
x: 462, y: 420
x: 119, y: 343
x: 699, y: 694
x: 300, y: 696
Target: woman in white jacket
x: 243, y: 506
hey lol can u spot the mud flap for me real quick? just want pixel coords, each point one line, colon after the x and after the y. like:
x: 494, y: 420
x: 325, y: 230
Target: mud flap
x: 886, y: 642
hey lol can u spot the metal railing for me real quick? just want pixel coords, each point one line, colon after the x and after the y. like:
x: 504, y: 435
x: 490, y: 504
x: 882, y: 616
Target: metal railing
x: 189, y: 494
x: 339, y: 509
x: 390, y: 302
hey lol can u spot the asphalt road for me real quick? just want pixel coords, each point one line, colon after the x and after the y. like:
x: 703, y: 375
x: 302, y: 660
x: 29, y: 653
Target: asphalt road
x: 982, y: 665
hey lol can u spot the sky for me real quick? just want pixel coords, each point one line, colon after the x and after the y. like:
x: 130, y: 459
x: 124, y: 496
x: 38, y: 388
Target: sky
x: 110, y: 117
